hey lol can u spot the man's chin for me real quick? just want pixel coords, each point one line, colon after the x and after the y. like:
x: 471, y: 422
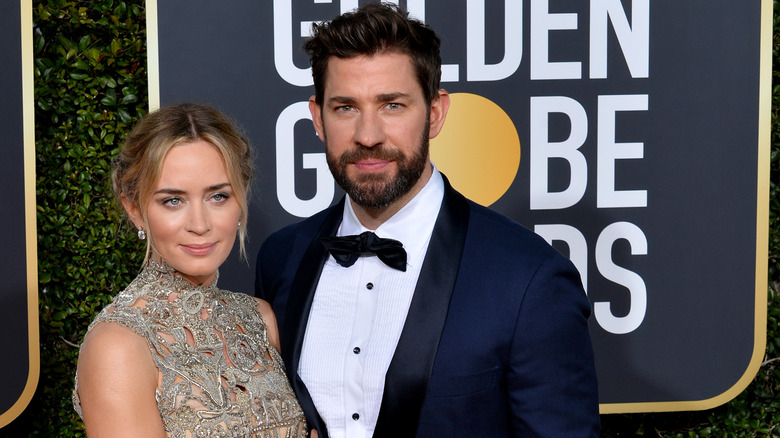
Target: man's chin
x: 371, y: 176
x: 372, y: 204
x: 370, y: 194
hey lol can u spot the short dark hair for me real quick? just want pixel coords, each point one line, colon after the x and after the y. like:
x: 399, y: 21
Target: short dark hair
x: 370, y: 29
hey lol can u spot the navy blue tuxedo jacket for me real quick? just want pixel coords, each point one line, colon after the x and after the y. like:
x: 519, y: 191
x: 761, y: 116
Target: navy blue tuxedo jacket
x: 496, y: 341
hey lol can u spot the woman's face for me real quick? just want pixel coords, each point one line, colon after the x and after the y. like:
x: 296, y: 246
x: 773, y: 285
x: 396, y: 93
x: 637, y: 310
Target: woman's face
x: 193, y: 214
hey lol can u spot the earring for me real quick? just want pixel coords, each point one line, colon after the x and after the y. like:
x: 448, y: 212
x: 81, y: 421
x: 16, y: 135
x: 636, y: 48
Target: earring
x: 141, y: 233
x: 239, y: 224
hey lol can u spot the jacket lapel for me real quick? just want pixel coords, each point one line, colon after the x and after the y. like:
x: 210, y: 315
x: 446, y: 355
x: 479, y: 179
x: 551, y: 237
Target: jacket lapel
x: 298, y: 308
x: 407, y: 378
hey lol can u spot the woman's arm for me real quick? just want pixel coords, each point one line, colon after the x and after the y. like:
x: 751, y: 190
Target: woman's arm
x: 117, y: 381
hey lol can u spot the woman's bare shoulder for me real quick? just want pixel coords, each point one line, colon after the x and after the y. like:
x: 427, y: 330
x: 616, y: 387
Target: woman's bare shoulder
x: 117, y: 380
x: 269, y: 318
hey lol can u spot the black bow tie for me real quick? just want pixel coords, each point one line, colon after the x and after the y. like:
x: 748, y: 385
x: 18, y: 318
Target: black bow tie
x: 347, y: 249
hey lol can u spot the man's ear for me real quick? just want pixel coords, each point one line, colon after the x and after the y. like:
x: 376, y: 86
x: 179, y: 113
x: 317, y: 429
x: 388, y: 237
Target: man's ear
x: 316, y: 117
x: 133, y: 211
x: 438, y: 113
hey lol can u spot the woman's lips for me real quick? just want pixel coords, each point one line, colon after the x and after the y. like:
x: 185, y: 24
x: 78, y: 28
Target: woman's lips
x: 199, y: 249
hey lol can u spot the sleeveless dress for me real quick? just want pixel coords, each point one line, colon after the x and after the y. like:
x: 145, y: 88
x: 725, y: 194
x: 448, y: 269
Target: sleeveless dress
x: 219, y: 375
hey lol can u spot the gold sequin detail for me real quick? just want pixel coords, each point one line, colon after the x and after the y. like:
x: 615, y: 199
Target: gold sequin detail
x: 220, y: 376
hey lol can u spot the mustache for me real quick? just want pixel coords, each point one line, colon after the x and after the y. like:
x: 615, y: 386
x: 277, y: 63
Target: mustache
x: 375, y: 152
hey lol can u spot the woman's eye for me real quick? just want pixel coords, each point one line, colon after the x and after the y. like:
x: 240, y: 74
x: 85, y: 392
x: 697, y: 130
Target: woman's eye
x: 173, y: 202
x: 220, y: 197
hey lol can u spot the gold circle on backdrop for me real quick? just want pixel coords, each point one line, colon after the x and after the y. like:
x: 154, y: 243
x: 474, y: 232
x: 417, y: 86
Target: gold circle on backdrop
x: 478, y: 148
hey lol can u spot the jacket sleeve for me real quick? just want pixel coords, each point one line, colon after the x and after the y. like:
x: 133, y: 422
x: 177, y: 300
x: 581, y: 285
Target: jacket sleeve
x: 552, y: 378
x: 261, y: 265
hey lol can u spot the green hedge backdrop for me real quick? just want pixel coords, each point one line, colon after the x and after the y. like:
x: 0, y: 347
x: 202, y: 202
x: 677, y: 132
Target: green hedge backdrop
x: 90, y: 88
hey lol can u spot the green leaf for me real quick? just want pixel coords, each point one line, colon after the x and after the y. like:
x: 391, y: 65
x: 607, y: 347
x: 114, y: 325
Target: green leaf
x: 115, y: 46
x: 130, y: 98
x: 124, y: 115
x: 110, y: 99
x: 84, y: 42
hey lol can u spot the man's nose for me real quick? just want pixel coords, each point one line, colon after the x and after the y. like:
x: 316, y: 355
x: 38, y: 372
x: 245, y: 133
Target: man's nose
x: 369, y: 131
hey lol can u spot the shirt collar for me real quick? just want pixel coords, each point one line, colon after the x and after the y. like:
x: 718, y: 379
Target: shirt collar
x: 412, y: 225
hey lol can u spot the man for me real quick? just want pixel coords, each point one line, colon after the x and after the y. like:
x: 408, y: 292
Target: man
x: 478, y: 329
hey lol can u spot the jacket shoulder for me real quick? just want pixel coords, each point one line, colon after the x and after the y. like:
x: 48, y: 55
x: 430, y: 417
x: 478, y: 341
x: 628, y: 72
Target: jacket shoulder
x: 498, y: 229
x: 303, y: 229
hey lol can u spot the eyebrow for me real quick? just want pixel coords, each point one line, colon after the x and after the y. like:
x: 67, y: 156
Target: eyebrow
x: 344, y: 100
x: 387, y: 97
x: 168, y: 191
x: 384, y: 97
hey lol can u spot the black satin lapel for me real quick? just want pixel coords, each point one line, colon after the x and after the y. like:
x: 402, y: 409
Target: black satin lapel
x: 298, y: 308
x: 407, y: 378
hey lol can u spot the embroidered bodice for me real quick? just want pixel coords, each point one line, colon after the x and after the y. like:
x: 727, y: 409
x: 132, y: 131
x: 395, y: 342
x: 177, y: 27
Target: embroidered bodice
x: 219, y: 375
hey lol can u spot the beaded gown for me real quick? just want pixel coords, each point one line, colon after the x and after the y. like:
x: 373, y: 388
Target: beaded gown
x: 219, y: 375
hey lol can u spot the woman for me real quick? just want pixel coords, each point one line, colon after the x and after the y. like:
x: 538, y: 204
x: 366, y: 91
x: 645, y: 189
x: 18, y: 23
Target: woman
x: 173, y: 355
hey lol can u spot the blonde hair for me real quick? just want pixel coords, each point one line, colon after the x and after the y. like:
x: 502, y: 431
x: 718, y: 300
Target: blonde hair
x: 137, y: 167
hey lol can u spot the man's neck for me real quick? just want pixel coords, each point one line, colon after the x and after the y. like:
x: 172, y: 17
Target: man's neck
x: 372, y: 218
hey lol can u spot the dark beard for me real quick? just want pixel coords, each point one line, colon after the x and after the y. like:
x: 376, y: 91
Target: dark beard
x: 379, y: 191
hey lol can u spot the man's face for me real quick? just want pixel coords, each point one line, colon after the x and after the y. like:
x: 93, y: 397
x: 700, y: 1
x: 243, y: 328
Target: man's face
x: 375, y: 124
